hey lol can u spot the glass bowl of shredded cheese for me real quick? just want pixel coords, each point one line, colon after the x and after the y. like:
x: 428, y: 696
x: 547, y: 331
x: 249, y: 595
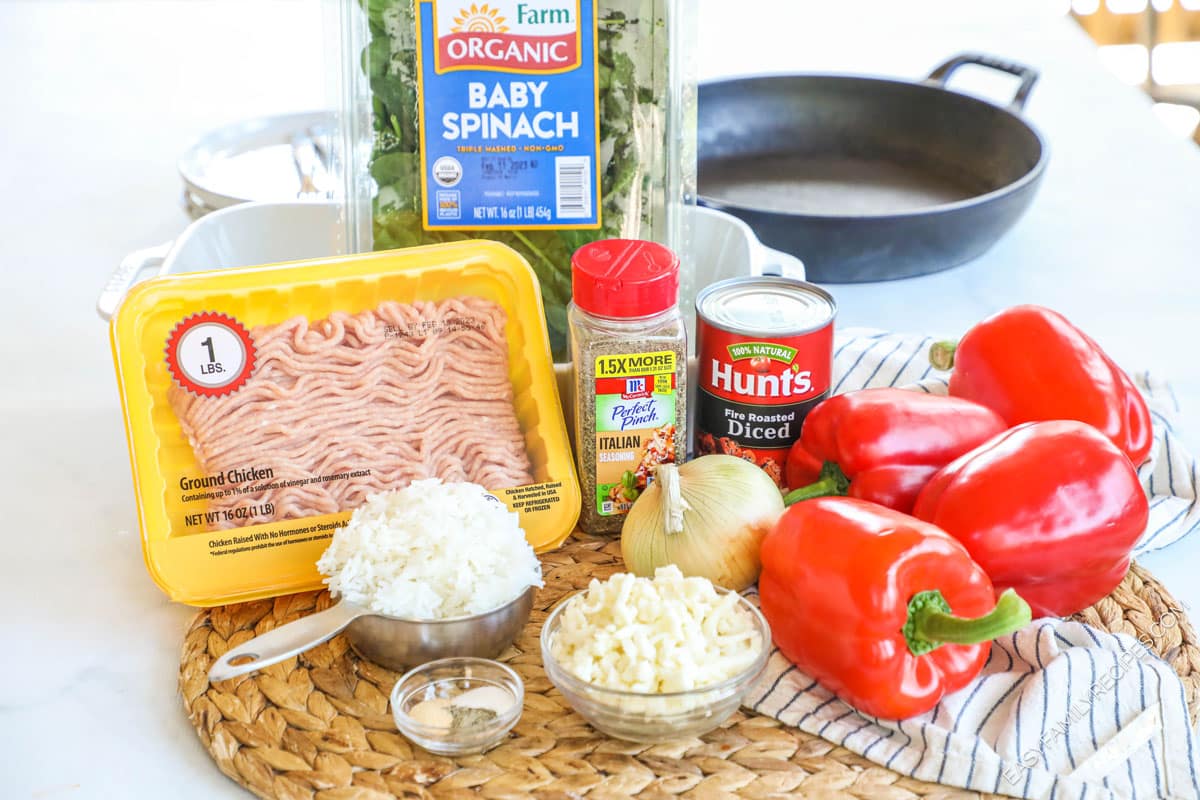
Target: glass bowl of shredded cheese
x: 655, y: 659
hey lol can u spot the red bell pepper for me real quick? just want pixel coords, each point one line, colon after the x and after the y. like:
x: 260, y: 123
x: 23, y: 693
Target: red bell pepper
x: 1029, y: 363
x: 1049, y: 508
x: 883, y: 445
x: 886, y: 611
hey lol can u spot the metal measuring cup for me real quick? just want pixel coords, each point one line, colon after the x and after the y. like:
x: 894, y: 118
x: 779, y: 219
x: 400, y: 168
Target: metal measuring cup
x: 392, y: 642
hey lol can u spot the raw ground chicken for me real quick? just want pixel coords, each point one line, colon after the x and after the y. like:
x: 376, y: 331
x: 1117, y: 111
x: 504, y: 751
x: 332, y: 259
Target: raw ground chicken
x: 406, y: 391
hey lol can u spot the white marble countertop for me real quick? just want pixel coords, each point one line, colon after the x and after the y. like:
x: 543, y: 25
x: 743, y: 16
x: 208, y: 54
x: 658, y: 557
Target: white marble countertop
x: 100, y: 97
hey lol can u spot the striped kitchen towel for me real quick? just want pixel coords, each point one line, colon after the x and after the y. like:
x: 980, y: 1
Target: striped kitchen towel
x: 1061, y: 710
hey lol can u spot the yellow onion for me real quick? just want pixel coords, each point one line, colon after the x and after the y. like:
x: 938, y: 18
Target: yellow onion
x: 708, y: 517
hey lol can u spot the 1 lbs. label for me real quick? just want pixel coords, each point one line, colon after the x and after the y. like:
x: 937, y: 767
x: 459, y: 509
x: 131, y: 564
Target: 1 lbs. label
x: 509, y: 114
x: 635, y: 425
x: 210, y: 354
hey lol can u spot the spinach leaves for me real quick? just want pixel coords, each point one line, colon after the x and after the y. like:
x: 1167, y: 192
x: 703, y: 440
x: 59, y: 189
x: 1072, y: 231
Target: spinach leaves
x: 633, y: 89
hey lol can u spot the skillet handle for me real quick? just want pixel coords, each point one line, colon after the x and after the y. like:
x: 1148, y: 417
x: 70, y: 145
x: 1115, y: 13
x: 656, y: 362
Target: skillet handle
x: 1028, y: 75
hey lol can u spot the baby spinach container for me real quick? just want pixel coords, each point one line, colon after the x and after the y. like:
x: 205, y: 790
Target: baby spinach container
x: 543, y: 124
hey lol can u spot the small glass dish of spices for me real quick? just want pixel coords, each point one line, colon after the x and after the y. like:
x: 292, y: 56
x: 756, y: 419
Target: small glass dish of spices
x: 456, y: 706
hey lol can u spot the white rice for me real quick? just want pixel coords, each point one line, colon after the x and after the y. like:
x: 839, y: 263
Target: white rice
x: 432, y: 550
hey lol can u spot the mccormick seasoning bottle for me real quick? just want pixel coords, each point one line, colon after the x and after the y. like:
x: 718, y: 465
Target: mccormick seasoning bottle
x: 629, y: 367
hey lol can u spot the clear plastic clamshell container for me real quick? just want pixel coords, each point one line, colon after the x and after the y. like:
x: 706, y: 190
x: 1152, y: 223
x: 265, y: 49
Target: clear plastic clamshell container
x: 263, y: 404
x: 542, y: 124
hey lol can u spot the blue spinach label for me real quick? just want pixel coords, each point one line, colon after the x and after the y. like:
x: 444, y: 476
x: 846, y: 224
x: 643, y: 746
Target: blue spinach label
x: 509, y: 114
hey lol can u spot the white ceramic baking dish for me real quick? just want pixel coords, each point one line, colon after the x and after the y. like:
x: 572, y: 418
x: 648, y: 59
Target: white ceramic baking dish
x: 268, y: 233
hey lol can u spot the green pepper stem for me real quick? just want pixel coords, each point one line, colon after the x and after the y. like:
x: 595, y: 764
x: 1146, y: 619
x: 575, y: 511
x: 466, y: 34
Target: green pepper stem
x: 832, y: 483
x: 931, y: 624
x: 941, y: 354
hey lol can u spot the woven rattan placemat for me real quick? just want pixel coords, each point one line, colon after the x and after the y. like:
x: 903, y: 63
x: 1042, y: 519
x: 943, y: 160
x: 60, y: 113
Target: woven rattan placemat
x: 318, y: 726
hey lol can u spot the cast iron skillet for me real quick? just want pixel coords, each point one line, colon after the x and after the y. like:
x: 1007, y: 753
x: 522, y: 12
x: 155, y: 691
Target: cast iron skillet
x: 868, y: 179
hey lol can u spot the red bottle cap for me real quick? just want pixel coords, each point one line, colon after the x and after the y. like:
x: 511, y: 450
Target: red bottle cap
x: 624, y: 278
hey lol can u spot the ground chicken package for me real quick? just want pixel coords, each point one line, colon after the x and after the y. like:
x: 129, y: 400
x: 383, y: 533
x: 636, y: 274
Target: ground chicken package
x: 263, y: 405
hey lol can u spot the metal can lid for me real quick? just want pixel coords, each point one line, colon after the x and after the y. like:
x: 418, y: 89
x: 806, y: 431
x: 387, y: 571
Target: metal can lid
x: 766, y: 305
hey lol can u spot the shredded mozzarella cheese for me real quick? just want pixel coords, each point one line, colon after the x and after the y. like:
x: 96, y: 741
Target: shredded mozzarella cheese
x: 660, y: 635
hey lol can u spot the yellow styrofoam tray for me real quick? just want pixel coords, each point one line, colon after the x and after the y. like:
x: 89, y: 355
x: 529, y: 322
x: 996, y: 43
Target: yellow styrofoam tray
x: 186, y: 563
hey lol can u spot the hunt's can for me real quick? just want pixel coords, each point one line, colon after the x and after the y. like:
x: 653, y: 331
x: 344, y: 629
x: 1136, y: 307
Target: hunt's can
x: 764, y: 348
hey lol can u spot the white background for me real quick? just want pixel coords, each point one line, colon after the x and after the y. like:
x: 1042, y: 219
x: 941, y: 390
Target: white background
x: 97, y: 99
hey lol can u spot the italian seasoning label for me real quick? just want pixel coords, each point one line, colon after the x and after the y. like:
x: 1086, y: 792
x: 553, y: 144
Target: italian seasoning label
x: 509, y: 114
x: 635, y: 424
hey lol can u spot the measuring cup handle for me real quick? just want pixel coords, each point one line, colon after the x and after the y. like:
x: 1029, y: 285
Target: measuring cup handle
x: 284, y: 642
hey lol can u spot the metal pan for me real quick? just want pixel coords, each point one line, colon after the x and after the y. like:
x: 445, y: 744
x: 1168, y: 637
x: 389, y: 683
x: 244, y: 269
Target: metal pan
x: 869, y: 179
